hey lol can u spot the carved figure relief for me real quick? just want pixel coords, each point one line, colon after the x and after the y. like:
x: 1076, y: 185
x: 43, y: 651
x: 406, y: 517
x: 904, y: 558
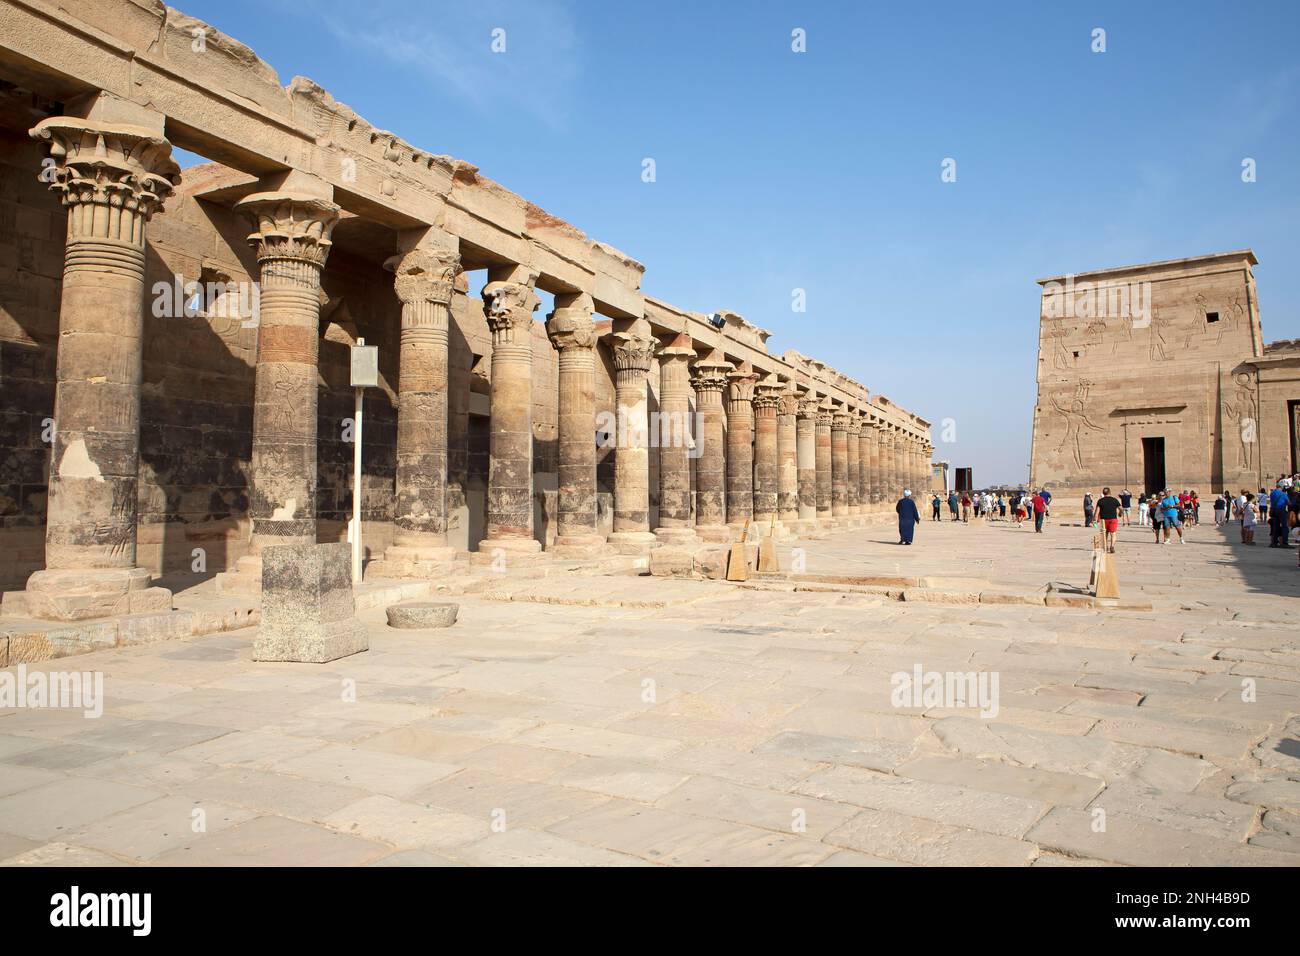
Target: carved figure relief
x: 1076, y: 421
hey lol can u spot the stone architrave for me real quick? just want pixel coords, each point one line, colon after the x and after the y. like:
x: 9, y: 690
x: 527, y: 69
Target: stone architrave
x: 767, y: 401
x: 673, y: 440
x: 424, y: 280
x: 710, y: 380
x: 572, y: 333
x: 633, y: 353
x: 740, y: 445
x: 309, y: 614
x: 509, y: 302
x: 825, y: 415
x: 112, y: 178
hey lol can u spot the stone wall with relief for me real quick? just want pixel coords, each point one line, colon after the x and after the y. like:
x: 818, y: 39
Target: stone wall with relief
x: 1146, y: 376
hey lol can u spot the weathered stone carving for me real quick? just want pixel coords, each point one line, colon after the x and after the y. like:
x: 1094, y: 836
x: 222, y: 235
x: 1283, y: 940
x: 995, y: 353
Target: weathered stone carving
x: 112, y: 179
x: 710, y: 379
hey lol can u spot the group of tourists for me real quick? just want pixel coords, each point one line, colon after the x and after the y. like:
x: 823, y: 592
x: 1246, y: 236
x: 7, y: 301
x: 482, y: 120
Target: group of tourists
x: 1170, y: 513
x: 1279, y: 509
x: 962, y: 506
x: 1015, y: 506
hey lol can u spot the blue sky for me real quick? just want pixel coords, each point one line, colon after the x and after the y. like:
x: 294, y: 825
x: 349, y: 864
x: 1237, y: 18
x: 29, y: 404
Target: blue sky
x: 821, y: 170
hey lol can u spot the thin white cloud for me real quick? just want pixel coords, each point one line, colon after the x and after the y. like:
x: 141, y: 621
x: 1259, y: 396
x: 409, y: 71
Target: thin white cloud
x: 451, y: 45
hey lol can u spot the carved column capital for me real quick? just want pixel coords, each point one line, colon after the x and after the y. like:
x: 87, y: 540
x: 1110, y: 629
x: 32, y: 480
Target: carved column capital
x: 424, y: 275
x: 809, y: 407
x: 826, y: 414
x: 767, y: 397
x: 674, y: 361
x: 571, y: 327
x: 710, y: 373
x: 291, y: 226
x: 509, y: 308
x: 633, y: 356
x: 126, y: 171
x: 740, y: 384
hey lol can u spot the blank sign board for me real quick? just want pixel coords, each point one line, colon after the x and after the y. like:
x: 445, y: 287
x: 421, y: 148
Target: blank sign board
x: 365, y: 366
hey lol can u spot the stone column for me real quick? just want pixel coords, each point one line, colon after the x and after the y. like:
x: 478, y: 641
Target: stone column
x: 111, y: 179
x: 710, y: 378
x: 633, y: 354
x: 673, y: 441
x: 854, y: 450
x: 892, y: 489
x: 806, y: 448
x: 573, y: 335
x: 825, y: 413
x: 424, y: 280
x: 509, y: 302
x: 767, y: 399
x: 787, y: 454
x: 840, y: 465
x: 740, y: 446
x: 292, y: 228
x: 866, y: 437
x: 877, y: 461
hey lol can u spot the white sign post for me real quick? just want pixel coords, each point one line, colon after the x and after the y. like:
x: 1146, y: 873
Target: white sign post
x: 365, y: 374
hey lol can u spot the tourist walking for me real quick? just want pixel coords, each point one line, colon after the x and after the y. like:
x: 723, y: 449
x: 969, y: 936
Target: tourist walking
x: 935, y: 507
x: 952, y: 506
x: 1220, y: 509
x: 1108, y: 511
x: 1040, y: 512
x: 1144, y: 510
x: 1087, y: 510
x: 908, y: 518
x: 1126, y: 502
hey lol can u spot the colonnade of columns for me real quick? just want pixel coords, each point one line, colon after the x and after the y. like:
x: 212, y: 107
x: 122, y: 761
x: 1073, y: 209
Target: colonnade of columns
x: 759, y: 449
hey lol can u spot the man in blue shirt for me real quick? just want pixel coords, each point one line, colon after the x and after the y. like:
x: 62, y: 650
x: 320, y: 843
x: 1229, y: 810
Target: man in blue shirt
x: 1169, y: 505
x: 1126, y: 502
x: 1278, y: 531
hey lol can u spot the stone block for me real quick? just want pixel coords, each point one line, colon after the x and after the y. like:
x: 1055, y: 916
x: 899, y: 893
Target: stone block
x: 151, y: 628
x: 711, y: 562
x: 79, y: 595
x: 423, y: 614
x: 1003, y: 597
x: 672, y: 563
x: 937, y: 596
x: 308, y: 610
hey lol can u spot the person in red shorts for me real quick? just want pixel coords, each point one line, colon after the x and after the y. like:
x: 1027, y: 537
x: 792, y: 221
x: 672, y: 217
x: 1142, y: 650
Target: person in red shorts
x: 1108, y: 512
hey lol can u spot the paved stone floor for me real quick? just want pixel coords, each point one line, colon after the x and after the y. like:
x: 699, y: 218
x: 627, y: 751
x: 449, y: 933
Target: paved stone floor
x: 625, y: 720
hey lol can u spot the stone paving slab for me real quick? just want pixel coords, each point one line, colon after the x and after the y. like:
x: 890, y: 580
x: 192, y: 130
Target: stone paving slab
x: 631, y: 724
